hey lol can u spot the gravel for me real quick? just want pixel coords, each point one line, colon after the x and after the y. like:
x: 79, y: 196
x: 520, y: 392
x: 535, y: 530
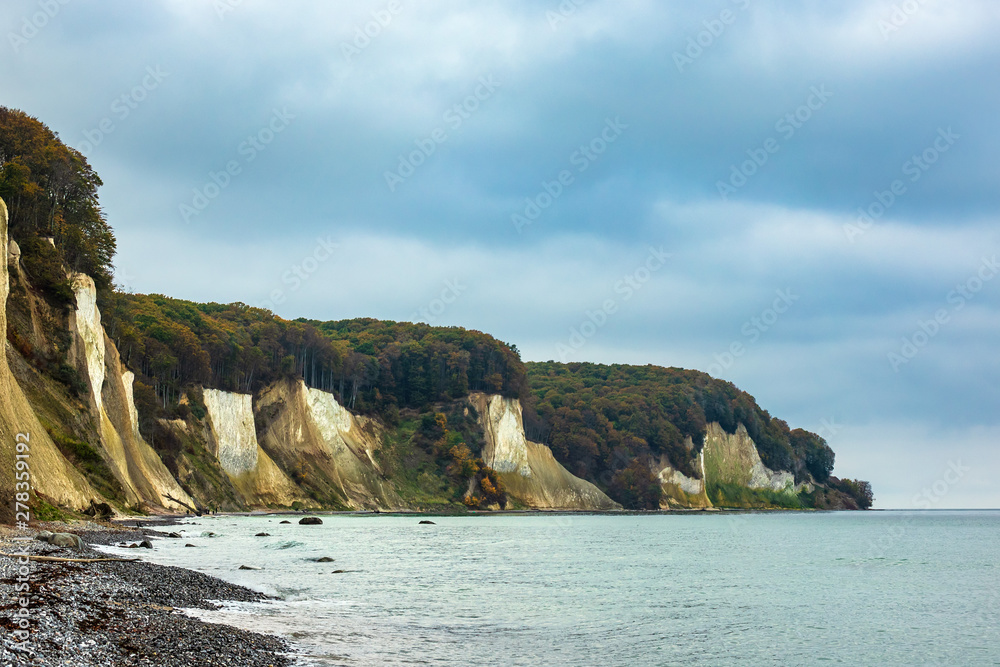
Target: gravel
x: 121, y: 613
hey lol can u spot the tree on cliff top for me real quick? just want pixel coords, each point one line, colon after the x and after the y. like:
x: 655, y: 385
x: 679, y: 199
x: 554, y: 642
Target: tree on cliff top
x: 51, y: 192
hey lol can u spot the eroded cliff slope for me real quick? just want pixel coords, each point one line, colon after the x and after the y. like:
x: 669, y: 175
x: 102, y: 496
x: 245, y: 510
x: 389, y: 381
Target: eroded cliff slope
x: 330, y: 451
x: 49, y: 472
x: 143, y: 476
x: 529, y: 471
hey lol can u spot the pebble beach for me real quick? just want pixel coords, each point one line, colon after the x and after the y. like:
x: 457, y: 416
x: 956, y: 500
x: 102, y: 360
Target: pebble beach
x: 116, y: 612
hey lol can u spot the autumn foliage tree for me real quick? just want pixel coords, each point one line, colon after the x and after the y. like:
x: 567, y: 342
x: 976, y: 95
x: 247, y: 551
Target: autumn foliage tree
x: 51, y: 192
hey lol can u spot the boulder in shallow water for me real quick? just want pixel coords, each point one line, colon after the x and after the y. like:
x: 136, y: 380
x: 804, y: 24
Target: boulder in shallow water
x: 174, y: 535
x: 189, y: 545
x: 324, y: 559
x: 428, y: 523
x: 310, y: 521
x: 286, y: 522
x: 145, y: 544
x: 263, y: 535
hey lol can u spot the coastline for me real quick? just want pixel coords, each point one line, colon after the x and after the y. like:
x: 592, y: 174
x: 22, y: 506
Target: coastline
x: 118, y: 612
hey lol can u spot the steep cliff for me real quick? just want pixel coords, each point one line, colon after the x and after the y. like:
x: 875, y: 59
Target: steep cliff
x: 51, y: 474
x: 529, y: 472
x: 329, y: 451
x: 733, y: 459
x: 233, y: 441
x: 137, y: 467
x: 679, y: 490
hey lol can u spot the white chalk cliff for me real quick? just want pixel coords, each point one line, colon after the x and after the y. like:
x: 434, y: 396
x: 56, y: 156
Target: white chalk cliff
x: 234, y: 443
x: 137, y: 467
x: 679, y: 490
x: 530, y: 473
x: 333, y: 451
x: 733, y: 459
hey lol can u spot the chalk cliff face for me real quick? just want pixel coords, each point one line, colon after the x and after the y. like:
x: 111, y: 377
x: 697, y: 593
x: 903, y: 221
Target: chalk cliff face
x: 733, y: 459
x: 529, y: 472
x: 331, y: 451
x: 137, y: 467
x: 50, y: 473
x: 679, y: 490
x: 234, y: 443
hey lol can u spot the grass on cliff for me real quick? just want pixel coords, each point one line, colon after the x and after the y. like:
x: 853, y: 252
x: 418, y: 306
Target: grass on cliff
x: 414, y: 474
x: 725, y: 495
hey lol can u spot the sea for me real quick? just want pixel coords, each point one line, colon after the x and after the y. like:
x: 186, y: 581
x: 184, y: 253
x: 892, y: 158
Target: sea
x: 703, y: 588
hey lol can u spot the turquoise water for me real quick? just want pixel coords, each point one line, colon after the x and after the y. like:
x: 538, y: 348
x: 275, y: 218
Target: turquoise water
x: 875, y: 588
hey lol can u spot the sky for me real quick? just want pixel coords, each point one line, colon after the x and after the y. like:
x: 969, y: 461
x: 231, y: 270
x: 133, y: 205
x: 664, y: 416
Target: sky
x: 800, y: 198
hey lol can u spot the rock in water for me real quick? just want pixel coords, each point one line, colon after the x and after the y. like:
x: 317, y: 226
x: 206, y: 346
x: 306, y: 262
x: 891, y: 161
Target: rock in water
x: 250, y: 567
x: 189, y: 545
x: 428, y: 523
x: 310, y: 521
x: 173, y: 535
x: 286, y: 522
x: 324, y: 559
x: 146, y: 544
x: 263, y: 535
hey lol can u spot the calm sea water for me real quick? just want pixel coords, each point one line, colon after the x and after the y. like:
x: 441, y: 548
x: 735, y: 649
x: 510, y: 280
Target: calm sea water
x: 876, y: 588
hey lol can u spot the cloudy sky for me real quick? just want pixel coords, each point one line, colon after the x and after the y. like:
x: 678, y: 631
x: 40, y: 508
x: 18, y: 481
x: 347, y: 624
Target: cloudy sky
x: 800, y: 199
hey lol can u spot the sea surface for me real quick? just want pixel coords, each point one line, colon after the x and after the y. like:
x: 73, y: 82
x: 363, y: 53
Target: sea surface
x: 871, y: 588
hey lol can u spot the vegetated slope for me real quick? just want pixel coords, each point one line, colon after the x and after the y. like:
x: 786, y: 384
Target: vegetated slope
x: 608, y: 424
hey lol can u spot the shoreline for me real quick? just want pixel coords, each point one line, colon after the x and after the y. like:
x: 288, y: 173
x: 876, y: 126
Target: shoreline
x: 118, y: 612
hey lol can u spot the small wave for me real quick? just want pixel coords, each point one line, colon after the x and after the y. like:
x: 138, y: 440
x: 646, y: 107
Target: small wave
x: 291, y: 544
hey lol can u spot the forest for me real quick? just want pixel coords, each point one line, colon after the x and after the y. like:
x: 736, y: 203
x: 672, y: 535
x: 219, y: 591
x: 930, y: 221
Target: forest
x: 598, y: 419
x: 373, y: 367
x: 51, y: 193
